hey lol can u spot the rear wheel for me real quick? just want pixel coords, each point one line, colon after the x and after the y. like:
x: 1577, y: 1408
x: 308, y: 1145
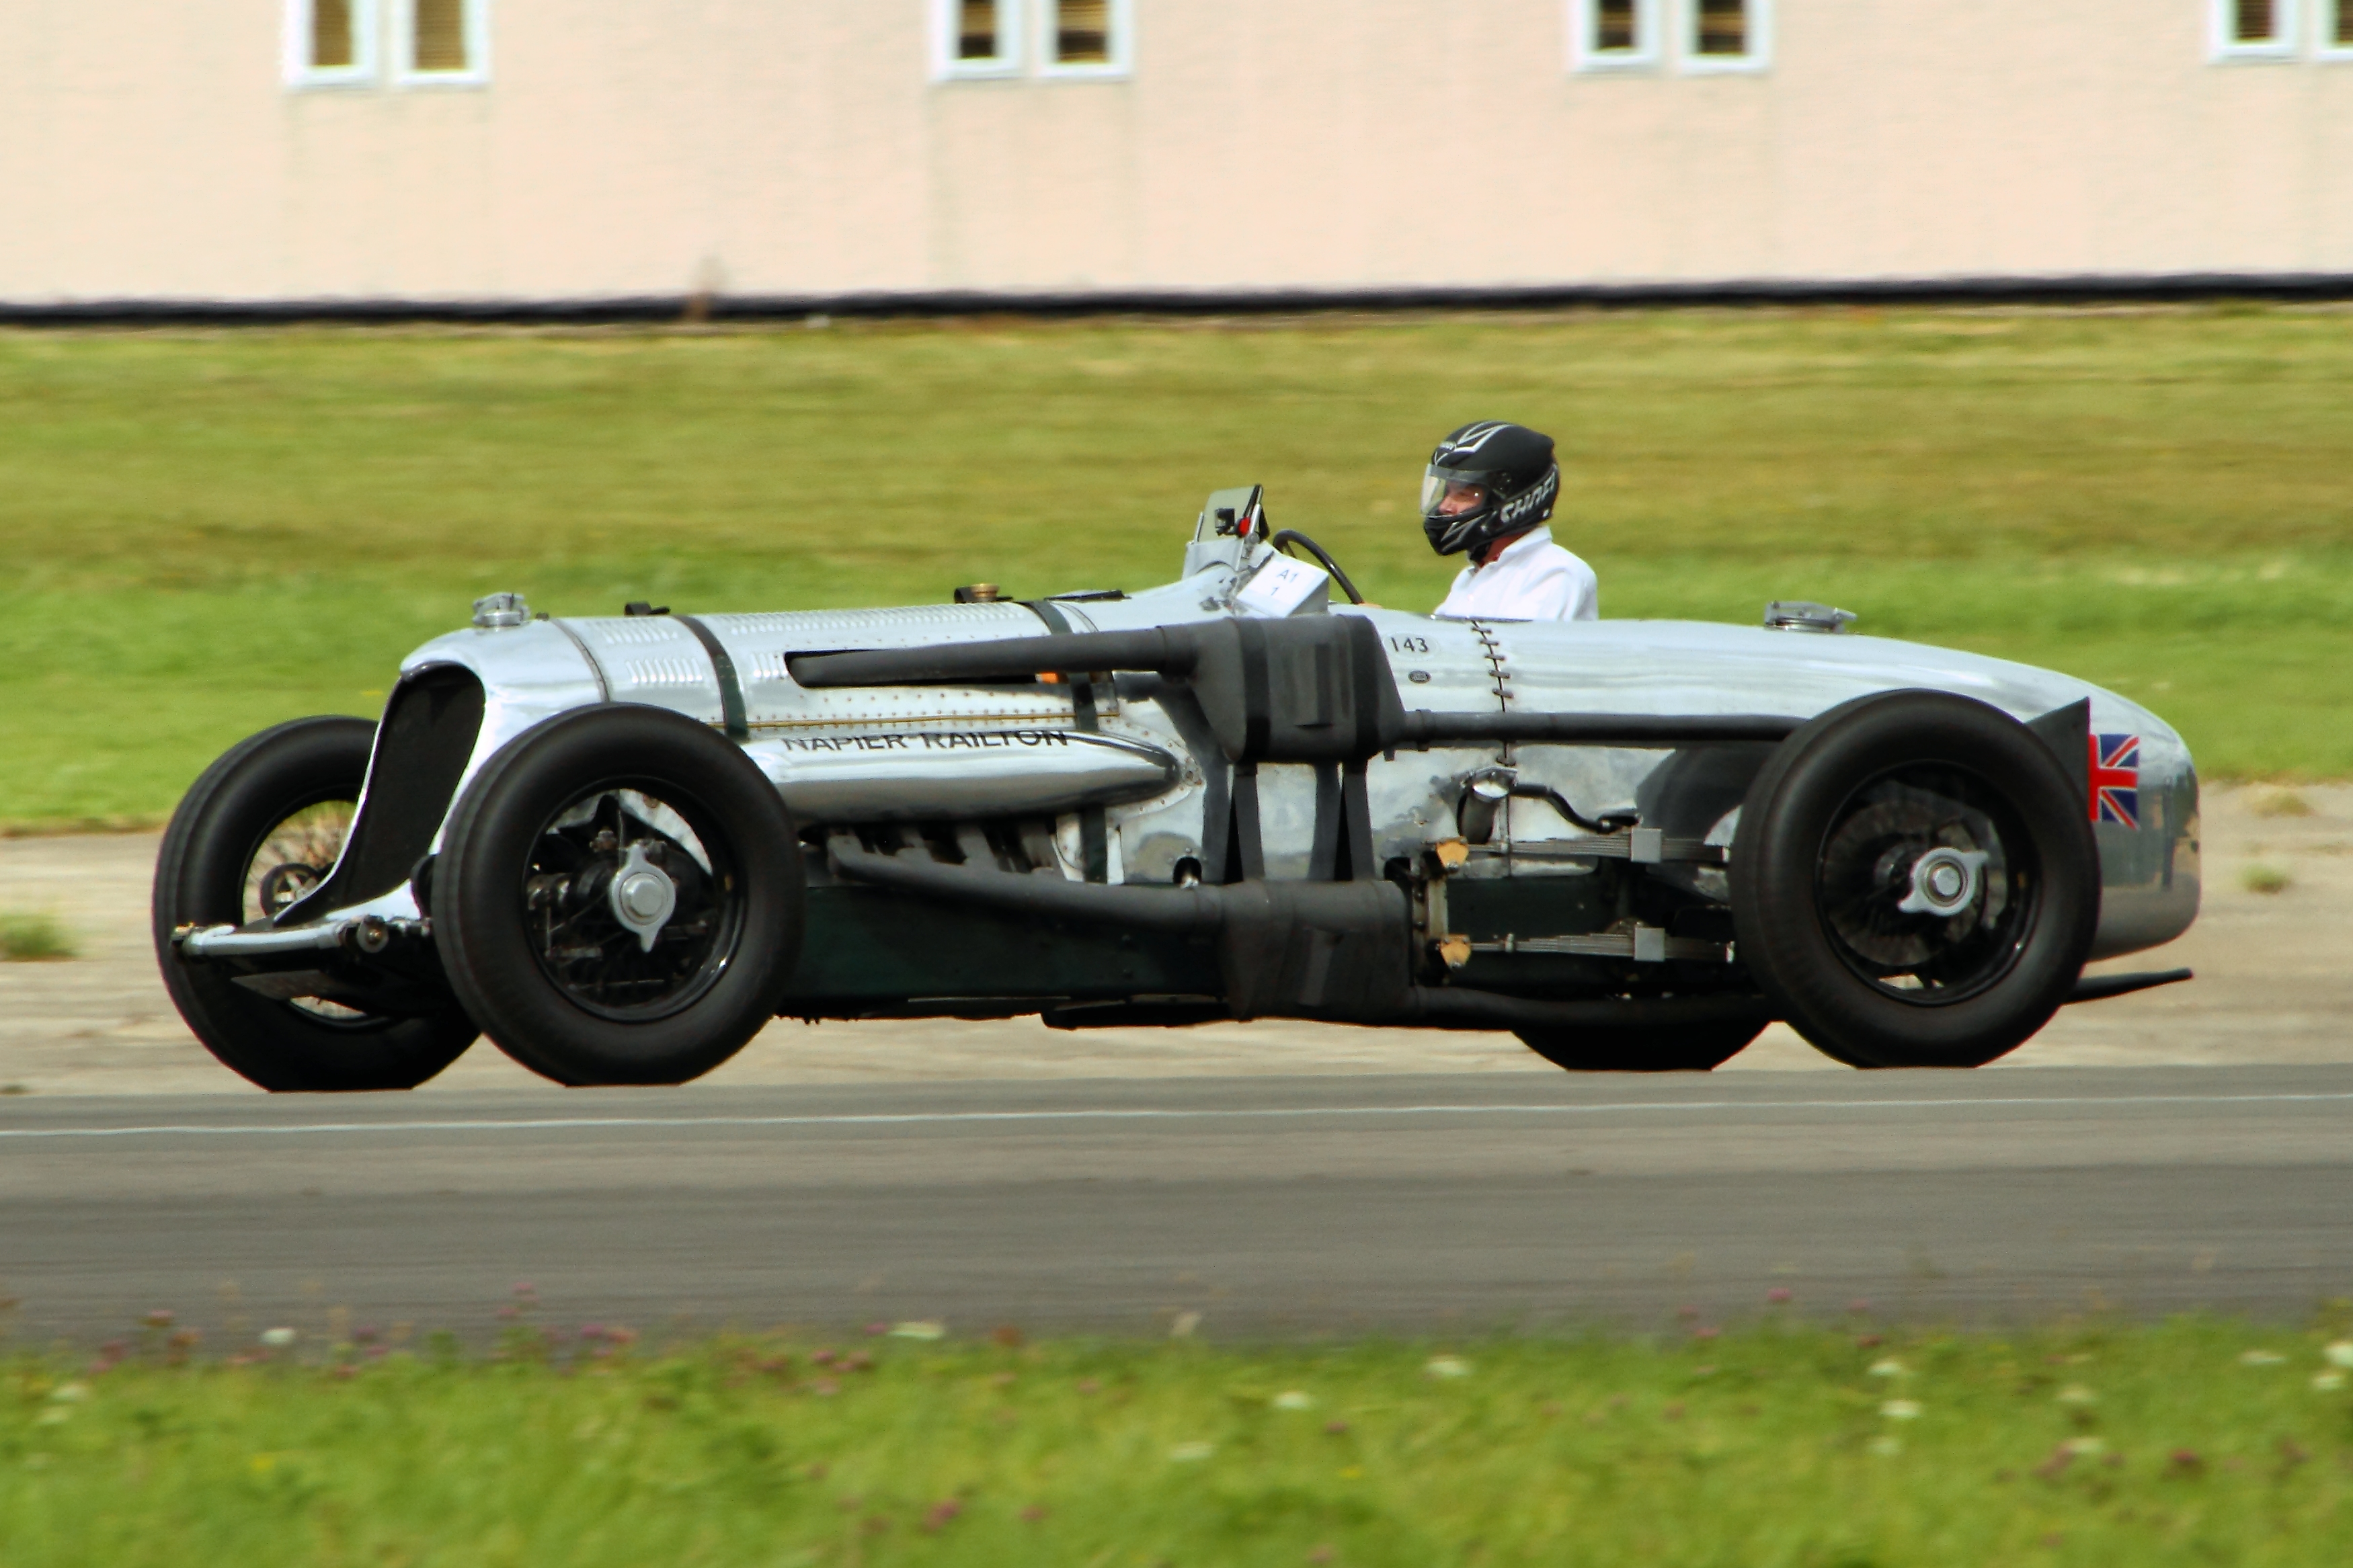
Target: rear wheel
x: 618, y: 897
x: 1686, y: 1048
x: 1914, y: 881
x: 263, y: 825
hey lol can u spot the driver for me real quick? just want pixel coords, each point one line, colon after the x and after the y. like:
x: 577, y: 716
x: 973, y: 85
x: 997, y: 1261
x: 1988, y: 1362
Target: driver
x: 1490, y: 491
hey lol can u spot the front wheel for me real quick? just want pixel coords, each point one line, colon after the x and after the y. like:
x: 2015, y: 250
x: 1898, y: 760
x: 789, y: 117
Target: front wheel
x: 1685, y: 1048
x: 618, y: 897
x: 262, y: 826
x: 1915, y: 882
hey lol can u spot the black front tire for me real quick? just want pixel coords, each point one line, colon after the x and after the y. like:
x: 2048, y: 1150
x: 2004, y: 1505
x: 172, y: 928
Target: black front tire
x: 527, y: 987
x: 1686, y: 1048
x: 201, y: 876
x: 1835, y: 835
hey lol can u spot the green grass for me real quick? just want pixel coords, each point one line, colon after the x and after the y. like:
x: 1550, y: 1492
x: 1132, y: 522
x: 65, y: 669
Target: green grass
x: 34, y: 937
x: 2195, y: 1442
x: 209, y: 532
x: 2265, y: 880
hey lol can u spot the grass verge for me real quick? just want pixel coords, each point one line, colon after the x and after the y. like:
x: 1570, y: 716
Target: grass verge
x: 33, y: 938
x: 210, y: 531
x: 2194, y: 1442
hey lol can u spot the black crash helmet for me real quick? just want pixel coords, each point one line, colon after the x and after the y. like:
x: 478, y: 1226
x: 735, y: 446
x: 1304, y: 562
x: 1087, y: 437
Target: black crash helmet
x: 1513, y: 464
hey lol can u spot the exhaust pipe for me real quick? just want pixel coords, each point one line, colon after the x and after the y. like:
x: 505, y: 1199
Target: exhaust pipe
x: 1340, y: 952
x: 1315, y: 690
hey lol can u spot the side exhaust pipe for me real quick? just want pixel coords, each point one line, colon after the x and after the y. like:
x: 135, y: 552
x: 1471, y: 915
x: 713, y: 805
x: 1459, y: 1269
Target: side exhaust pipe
x: 1341, y: 952
x: 1313, y: 690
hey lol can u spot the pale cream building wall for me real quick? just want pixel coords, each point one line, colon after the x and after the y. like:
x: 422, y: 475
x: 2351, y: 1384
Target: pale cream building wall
x: 153, y: 150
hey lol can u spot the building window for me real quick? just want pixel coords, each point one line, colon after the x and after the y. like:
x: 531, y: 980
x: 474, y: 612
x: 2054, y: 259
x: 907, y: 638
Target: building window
x: 440, y: 37
x: 2337, y: 30
x: 1073, y: 37
x: 1723, y: 29
x: 331, y: 43
x: 1728, y: 35
x: 443, y: 43
x: 1082, y: 33
x: 976, y: 38
x: 331, y: 35
x: 2254, y: 29
x: 2256, y: 22
x: 980, y: 31
x: 1086, y: 38
x: 1613, y: 35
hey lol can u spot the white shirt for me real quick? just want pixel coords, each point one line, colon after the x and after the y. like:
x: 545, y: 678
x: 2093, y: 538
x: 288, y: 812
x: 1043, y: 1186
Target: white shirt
x: 1533, y: 580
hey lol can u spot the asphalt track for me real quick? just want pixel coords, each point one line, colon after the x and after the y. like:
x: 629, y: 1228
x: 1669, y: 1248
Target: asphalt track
x: 1270, y: 1206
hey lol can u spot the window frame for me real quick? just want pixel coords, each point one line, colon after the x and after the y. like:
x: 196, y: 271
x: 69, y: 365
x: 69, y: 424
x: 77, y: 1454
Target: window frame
x: 2226, y: 49
x: 1122, y: 64
x: 2327, y: 17
x: 367, y: 33
x: 947, y: 26
x: 1649, y: 36
x: 404, y: 47
x: 1758, y: 58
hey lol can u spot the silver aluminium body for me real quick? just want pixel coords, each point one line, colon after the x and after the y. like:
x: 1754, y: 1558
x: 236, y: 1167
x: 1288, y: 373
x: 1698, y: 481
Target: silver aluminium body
x: 907, y: 753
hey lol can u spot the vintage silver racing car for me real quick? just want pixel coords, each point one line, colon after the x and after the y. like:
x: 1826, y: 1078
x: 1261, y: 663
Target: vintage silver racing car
x: 620, y: 847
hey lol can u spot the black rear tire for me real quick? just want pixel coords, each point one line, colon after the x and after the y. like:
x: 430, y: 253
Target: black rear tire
x: 559, y: 984
x: 1687, y: 1047
x: 201, y: 878
x: 1836, y: 837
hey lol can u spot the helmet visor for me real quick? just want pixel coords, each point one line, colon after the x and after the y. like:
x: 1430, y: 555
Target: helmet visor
x: 1448, y: 492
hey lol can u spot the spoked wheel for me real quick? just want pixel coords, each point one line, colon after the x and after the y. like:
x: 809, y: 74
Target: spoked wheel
x: 261, y: 828
x: 296, y: 857
x: 1914, y: 881
x: 618, y: 897
x: 1687, y: 1047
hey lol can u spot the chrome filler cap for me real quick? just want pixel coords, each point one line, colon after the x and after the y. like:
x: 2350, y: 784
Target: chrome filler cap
x: 1805, y: 616
x: 494, y: 611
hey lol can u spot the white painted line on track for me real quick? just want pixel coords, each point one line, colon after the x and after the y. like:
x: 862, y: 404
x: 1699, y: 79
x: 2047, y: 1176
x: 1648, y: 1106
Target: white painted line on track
x: 937, y: 1118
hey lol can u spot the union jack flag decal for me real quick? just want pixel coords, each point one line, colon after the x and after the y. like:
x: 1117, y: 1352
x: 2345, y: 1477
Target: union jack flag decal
x: 2115, y: 780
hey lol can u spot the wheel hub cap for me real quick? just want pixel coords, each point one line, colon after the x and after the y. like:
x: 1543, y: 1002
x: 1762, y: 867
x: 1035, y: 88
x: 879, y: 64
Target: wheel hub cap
x: 1926, y: 884
x: 1945, y: 882
x: 643, y: 896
